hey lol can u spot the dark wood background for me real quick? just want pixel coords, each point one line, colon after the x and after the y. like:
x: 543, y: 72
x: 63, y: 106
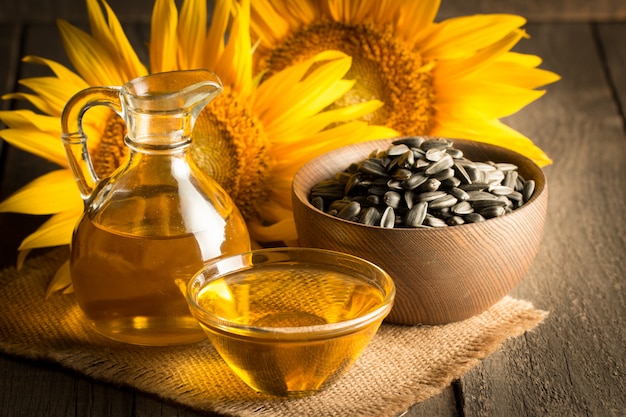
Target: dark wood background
x: 574, y: 364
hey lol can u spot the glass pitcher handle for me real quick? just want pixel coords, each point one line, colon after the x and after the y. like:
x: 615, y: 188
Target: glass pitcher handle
x: 74, y: 137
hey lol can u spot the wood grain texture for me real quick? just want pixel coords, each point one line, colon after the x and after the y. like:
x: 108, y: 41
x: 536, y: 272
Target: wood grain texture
x: 442, y: 275
x: 139, y: 10
x: 574, y: 363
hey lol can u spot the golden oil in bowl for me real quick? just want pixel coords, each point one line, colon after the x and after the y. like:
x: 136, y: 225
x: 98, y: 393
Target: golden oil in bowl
x: 290, y: 321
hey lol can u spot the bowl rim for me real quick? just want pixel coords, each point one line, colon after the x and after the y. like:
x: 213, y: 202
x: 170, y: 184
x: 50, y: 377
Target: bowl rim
x: 298, y: 194
x: 300, y: 333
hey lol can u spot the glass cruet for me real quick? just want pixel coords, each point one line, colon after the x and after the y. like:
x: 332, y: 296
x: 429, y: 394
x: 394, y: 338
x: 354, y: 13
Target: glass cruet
x: 148, y: 227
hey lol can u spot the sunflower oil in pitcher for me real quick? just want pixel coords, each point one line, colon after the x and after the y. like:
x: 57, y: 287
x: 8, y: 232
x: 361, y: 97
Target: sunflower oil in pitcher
x: 151, y: 225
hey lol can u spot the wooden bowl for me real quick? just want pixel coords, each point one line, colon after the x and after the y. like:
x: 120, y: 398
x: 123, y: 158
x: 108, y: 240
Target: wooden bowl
x: 442, y: 275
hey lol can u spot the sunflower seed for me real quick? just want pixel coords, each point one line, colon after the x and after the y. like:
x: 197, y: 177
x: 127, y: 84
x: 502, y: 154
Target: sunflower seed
x: 401, y: 174
x: 451, y: 182
x: 510, y: 179
x: 373, y: 166
x: 431, y: 184
x: 433, y: 221
x: 459, y: 193
x: 406, y: 160
x: 410, y: 141
x: 338, y: 205
x: 370, y: 216
x: 493, y: 211
x: 455, y: 153
x: 462, y: 173
x: 351, y: 184
x: 373, y: 199
x: 377, y: 190
x: 474, y: 218
x: 416, y: 215
x: 388, y: 219
x: 444, y: 174
x: 474, y: 174
x: 422, y: 183
x: 349, y: 211
x: 455, y: 220
x: 318, y: 202
x: 480, y: 196
x: 494, y: 177
x: 462, y: 207
x: 395, y: 185
x: 430, y: 196
x: 505, y: 166
x: 481, y: 204
x: 528, y: 190
x: 414, y: 181
x: 392, y: 199
x: 439, y: 143
x: 500, y: 189
x: 397, y: 150
x: 435, y: 154
x: 447, y: 200
x: 445, y: 162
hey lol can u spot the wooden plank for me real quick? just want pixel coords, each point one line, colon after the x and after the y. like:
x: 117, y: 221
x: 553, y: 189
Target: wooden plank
x: 443, y: 405
x: 140, y: 10
x: 573, y: 364
x: 540, y: 10
x: 37, y: 10
x: 29, y: 389
x: 612, y: 37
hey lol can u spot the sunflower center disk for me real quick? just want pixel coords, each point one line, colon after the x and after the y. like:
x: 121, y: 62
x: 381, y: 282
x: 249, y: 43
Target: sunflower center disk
x: 111, y: 150
x: 229, y: 144
x: 385, y: 69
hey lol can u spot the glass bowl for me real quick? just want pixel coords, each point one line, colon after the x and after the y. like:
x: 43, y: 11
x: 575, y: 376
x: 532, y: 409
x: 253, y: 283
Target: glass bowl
x: 290, y: 321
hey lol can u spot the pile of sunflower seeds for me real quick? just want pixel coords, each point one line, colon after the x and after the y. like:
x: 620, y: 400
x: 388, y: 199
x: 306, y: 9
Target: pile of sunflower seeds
x: 421, y: 183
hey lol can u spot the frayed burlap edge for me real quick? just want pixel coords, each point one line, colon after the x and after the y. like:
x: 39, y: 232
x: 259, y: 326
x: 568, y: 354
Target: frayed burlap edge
x: 402, y: 366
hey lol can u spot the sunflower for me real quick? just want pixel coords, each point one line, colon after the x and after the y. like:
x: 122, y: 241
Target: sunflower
x: 457, y: 78
x: 252, y: 138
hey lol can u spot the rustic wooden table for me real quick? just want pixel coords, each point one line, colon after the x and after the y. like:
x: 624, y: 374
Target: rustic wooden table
x: 574, y: 364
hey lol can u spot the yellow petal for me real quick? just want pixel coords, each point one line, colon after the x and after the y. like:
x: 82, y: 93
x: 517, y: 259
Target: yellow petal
x: 56, y: 231
x: 89, y: 57
x: 61, y: 281
x: 284, y: 230
x: 506, y: 72
x: 22, y: 119
x: 302, y: 130
x: 40, y: 144
x: 415, y: 17
x: 320, y: 88
x: 481, y: 59
x: 163, y: 37
x: 462, y: 36
x: 214, y: 42
x: 267, y: 23
x: 493, y: 132
x: 294, y: 155
x: 282, y: 82
x: 191, y: 33
x: 36, y: 101
x: 235, y: 65
x: 492, y: 100
x: 50, y: 193
x: 113, y: 38
x: 52, y: 90
x: 72, y: 80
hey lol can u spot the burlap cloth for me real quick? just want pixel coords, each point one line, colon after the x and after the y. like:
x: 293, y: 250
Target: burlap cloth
x: 402, y: 366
